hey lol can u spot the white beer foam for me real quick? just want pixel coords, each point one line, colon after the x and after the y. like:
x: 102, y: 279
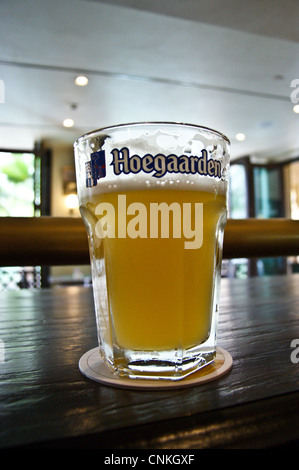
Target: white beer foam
x: 153, y: 143
x: 141, y: 181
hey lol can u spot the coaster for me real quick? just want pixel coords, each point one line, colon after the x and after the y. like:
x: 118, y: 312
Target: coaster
x: 92, y: 366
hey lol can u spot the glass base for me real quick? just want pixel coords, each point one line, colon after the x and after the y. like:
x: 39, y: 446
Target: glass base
x: 157, y: 365
x: 94, y: 367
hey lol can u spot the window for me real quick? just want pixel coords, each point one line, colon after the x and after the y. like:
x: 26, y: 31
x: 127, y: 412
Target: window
x: 20, y: 196
x: 268, y: 198
x: 19, y: 185
x: 256, y: 191
x: 238, y: 192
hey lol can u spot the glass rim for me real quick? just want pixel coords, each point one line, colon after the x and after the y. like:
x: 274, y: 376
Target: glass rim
x: 149, y: 123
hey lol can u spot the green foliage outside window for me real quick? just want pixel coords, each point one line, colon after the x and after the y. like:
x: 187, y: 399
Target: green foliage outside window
x: 17, y: 184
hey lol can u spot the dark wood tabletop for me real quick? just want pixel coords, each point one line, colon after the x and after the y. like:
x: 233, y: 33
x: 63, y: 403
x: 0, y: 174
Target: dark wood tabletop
x: 46, y: 402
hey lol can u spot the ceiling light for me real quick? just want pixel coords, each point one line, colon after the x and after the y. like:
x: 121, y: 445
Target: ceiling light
x: 296, y: 108
x: 81, y: 80
x: 68, y: 123
x: 240, y: 136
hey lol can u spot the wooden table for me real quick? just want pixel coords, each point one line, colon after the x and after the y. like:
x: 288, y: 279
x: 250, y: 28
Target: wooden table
x: 45, y: 401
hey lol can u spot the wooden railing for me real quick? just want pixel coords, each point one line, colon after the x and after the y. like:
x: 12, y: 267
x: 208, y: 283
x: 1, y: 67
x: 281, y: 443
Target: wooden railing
x: 50, y: 241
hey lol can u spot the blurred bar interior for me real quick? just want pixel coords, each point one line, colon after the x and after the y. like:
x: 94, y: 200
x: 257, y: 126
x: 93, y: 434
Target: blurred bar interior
x: 226, y: 68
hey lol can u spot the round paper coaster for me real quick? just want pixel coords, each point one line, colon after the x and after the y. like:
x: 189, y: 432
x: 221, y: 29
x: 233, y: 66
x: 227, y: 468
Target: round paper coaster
x: 93, y: 367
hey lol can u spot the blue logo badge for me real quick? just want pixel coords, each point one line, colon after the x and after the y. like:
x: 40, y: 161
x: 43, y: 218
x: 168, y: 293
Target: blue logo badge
x: 95, y: 168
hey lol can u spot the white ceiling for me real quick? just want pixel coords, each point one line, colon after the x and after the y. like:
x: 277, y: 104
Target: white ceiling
x: 225, y: 64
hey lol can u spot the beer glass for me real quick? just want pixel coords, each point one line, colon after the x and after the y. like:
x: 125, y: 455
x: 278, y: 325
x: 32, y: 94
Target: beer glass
x: 153, y: 197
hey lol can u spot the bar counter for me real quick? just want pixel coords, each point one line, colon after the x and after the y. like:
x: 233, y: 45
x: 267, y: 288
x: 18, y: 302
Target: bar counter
x: 47, y: 403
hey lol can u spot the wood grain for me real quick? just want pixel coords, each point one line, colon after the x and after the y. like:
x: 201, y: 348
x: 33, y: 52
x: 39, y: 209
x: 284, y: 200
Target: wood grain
x: 46, y: 402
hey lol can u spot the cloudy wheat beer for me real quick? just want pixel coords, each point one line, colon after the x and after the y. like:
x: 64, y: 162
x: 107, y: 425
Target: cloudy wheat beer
x: 155, y: 221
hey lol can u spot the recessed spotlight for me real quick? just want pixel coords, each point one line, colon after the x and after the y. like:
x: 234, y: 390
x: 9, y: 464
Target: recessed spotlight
x: 81, y: 80
x: 296, y: 108
x: 68, y: 123
x: 240, y: 136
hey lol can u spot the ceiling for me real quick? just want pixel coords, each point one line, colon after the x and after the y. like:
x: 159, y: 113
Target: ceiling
x: 225, y: 64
